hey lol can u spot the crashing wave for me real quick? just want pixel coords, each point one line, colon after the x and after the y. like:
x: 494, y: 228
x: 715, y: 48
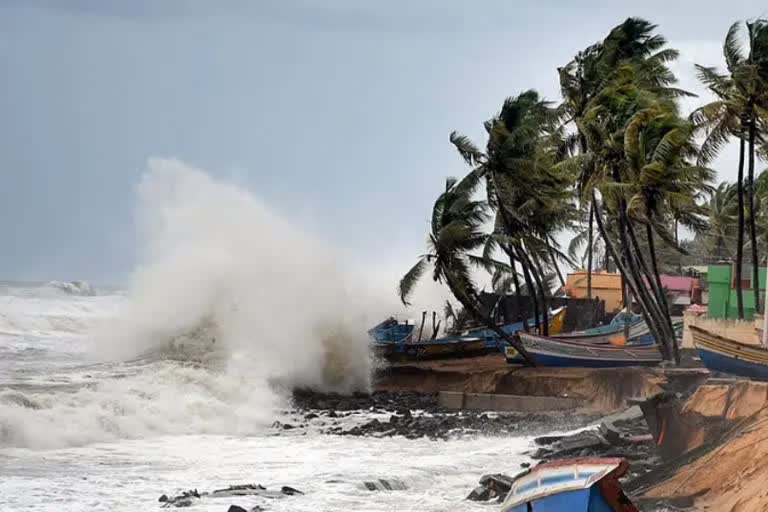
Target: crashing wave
x: 74, y: 287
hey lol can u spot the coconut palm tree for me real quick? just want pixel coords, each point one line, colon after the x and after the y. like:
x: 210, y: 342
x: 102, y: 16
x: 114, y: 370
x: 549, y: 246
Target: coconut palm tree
x: 739, y: 111
x: 721, y: 214
x: 633, y: 62
x: 456, y: 231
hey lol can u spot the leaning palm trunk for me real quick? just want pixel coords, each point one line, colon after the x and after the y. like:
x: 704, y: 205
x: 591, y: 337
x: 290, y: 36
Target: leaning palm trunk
x: 657, y: 278
x: 543, y: 325
x: 531, y: 289
x: 610, y: 248
x: 538, y: 276
x: 470, y: 305
x: 740, y: 236
x: 554, y: 261
x: 590, y: 243
x: 651, y: 291
x: 752, y: 214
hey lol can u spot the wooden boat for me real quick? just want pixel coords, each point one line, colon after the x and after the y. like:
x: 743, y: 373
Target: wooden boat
x: 558, y: 352
x: 458, y: 346
x: 572, y: 485
x: 721, y: 354
x: 492, y: 341
x: 388, y: 335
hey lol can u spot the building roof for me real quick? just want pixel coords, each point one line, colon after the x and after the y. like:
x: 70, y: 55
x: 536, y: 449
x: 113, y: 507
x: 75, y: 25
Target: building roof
x: 678, y: 283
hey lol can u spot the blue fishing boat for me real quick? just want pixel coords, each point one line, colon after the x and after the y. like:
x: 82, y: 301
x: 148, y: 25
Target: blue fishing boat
x: 390, y: 334
x: 721, y: 354
x: 572, y: 485
x: 558, y: 352
x: 494, y: 343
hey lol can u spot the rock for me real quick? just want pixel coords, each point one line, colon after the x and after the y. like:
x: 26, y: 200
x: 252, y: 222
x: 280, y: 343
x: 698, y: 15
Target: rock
x: 288, y: 426
x: 163, y: 498
x: 480, y: 493
x: 256, y: 508
x: 498, y: 483
x: 610, y: 433
x: 290, y: 491
x: 525, y: 465
x: 240, y: 490
x: 391, y: 484
x: 235, y: 508
x: 311, y: 416
x: 183, y: 502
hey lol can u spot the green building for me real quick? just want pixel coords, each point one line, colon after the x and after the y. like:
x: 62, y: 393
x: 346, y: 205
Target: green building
x: 722, y: 291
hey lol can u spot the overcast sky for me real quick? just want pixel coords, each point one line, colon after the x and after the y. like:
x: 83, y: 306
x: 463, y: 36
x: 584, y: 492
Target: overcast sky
x: 336, y: 112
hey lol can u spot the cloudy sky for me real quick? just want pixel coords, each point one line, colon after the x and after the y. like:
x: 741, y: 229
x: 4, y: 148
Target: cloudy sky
x: 334, y: 112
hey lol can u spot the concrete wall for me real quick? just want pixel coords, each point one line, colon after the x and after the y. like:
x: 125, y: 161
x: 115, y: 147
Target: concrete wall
x: 739, y: 330
x: 488, y: 402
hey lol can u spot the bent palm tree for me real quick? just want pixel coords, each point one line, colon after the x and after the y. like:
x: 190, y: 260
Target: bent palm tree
x: 456, y: 231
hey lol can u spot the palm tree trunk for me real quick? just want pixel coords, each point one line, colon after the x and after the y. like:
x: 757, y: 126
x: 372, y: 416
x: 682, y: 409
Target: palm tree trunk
x: 590, y: 243
x: 663, y: 296
x: 470, y: 305
x: 531, y: 289
x: 654, y: 295
x: 516, y: 283
x: 740, y: 235
x: 752, y: 213
x: 538, y: 276
x: 610, y: 248
x: 554, y: 261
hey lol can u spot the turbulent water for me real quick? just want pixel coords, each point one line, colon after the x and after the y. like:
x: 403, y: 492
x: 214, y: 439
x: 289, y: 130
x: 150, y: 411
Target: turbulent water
x: 110, y: 399
x: 82, y: 435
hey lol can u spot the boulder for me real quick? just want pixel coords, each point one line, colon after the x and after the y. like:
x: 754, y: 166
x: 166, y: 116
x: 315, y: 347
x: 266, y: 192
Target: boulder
x: 385, y: 484
x: 235, y: 508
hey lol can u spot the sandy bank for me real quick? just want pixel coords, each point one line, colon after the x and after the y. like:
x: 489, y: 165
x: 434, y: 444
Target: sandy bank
x: 728, y: 471
x: 601, y: 390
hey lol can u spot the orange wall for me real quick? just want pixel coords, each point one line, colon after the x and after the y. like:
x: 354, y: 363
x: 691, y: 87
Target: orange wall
x: 606, y: 286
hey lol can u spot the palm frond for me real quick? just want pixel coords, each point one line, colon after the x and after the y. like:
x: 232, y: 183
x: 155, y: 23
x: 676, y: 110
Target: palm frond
x: 409, y: 280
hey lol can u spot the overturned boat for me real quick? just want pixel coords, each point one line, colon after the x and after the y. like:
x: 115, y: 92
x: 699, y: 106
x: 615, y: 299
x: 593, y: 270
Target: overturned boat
x: 573, y: 485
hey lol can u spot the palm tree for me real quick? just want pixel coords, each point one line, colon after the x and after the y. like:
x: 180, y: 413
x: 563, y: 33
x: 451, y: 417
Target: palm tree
x: 531, y: 198
x: 721, y: 214
x: 659, y: 146
x: 456, y: 231
x: 633, y: 63
x: 739, y: 110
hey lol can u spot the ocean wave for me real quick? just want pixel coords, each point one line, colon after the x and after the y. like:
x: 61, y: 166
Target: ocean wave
x: 164, y: 398
x: 82, y: 288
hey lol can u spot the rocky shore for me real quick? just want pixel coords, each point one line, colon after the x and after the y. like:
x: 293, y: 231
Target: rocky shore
x: 413, y: 415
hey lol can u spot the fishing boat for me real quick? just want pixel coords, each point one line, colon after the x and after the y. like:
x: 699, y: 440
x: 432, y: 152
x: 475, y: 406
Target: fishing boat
x: 721, y: 354
x: 573, y: 485
x: 458, y: 346
x: 387, y: 336
x: 494, y: 343
x: 559, y: 352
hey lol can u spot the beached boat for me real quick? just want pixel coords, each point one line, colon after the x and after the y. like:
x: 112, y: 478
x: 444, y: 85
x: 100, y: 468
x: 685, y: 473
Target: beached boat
x: 458, y: 346
x: 494, y: 343
x: 559, y: 352
x: 721, y: 354
x: 388, y: 335
x: 572, y: 485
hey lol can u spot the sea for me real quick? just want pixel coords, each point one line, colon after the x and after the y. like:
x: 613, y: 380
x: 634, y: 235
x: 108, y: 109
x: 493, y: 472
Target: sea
x: 84, y: 429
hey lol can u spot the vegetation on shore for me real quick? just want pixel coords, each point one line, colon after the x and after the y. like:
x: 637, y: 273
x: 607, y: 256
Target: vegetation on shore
x: 617, y: 163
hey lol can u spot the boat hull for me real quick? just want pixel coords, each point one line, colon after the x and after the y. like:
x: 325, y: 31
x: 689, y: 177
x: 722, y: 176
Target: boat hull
x: 556, y: 352
x: 721, y: 354
x: 575, y: 485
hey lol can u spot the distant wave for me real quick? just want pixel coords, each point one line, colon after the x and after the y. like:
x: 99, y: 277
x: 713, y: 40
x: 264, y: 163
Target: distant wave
x: 83, y: 288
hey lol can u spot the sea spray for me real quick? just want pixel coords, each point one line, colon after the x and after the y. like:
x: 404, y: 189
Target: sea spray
x: 230, y: 305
